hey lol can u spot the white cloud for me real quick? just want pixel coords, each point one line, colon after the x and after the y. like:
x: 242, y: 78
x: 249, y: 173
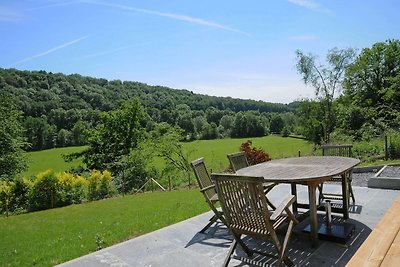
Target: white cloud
x: 179, y: 17
x: 311, y: 5
x: 51, y: 50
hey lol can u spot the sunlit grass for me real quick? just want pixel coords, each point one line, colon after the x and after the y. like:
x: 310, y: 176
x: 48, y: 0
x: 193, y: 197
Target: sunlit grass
x: 39, y: 161
x: 215, y: 151
x: 54, y: 236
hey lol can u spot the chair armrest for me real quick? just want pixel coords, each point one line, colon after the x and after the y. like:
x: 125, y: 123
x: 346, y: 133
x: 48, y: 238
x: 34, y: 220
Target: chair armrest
x: 207, y: 188
x: 284, y: 205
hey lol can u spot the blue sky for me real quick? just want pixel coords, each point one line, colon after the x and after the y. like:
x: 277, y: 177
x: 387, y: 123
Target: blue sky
x: 242, y: 49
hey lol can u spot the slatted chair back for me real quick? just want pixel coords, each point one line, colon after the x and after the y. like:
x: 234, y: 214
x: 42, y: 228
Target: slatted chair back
x: 341, y: 151
x: 245, y: 209
x: 337, y: 150
x: 203, y: 178
x: 207, y: 188
x: 244, y: 204
x: 238, y: 160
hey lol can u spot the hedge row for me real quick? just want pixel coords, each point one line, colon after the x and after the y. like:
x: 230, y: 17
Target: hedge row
x: 50, y: 189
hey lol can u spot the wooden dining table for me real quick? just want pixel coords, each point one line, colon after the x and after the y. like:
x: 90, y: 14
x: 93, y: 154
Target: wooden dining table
x: 310, y: 171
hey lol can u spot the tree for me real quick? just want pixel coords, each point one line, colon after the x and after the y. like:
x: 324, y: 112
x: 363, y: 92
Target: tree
x: 276, y: 123
x: 326, y: 79
x: 12, y: 161
x: 372, y: 82
x: 120, y: 132
x: 166, y: 140
x: 311, y: 117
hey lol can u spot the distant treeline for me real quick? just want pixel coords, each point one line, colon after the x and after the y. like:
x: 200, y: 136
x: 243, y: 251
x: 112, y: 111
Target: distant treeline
x: 58, y: 109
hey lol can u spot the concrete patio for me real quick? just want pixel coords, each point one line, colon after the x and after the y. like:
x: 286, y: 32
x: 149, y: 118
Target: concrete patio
x: 182, y: 245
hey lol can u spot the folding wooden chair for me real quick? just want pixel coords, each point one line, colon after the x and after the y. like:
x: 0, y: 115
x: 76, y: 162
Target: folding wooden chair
x: 239, y: 161
x: 341, y: 151
x: 246, y: 212
x: 208, y: 189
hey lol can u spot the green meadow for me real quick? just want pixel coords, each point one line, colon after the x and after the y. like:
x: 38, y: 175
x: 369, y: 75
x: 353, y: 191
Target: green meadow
x: 213, y: 151
x: 39, y: 161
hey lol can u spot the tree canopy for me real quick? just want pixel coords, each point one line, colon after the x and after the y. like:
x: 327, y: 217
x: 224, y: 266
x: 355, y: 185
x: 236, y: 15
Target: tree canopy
x: 326, y: 79
x: 12, y: 161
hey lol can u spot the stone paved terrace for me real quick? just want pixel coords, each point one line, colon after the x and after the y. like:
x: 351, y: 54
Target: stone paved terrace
x: 182, y: 245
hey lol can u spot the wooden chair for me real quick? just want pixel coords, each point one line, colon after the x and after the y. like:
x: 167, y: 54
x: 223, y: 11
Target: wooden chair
x: 239, y: 161
x: 208, y: 189
x: 341, y: 151
x: 246, y: 212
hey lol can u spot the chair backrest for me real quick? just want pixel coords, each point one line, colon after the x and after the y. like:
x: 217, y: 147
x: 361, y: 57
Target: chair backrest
x: 203, y: 177
x: 238, y: 160
x: 244, y: 203
x: 337, y: 150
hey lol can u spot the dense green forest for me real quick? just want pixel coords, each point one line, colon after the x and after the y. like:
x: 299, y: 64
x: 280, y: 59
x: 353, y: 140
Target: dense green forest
x: 57, y: 109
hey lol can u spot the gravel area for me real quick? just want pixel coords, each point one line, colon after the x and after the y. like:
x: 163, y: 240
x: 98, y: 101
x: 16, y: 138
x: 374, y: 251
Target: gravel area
x: 390, y: 171
x: 361, y: 178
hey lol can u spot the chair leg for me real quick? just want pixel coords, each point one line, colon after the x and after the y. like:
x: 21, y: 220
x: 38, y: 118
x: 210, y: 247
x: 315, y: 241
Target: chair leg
x: 230, y: 252
x: 320, y: 193
x: 244, y: 247
x: 212, y: 220
x: 351, y: 193
x: 283, y: 255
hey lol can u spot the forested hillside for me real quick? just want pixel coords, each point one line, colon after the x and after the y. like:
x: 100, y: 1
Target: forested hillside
x: 58, y: 108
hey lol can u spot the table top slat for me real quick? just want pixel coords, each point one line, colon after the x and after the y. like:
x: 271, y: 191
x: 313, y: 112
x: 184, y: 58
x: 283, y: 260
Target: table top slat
x: 301, y: 168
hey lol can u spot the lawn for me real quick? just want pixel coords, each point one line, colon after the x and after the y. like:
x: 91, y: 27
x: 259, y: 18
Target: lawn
x: 54, y: 236
x: 39, y: 161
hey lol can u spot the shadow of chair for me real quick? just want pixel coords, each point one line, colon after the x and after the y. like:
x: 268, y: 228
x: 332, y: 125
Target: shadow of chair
x: 239, y: 161
x: 246, y: 212
x: 340, y: 151
x: 207, y: 188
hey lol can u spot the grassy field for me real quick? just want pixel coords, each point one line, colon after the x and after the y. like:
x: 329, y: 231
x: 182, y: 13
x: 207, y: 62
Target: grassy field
x: 39, y: 161
x: 54, y: 236
x: 213, y: 151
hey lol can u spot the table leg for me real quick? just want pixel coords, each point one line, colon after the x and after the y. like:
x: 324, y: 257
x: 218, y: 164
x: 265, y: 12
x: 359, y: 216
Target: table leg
x: 345, y: 193
x: 312, y: 198
x: 294, y: 192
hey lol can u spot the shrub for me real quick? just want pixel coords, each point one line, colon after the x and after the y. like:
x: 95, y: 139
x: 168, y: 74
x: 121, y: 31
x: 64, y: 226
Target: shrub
x: 5, y: 194
x: 134, y: 170
x: 100, y: 185
x: 72, y: 189
x: 44, y: 191
x: 20, y: 195
x: 254, y: 155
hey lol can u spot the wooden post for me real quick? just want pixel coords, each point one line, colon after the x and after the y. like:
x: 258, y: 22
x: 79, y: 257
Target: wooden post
x: 386, y: 148
x: 299, y: 154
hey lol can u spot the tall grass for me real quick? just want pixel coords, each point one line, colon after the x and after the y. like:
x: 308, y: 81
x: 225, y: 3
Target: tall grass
x: 54, y: 236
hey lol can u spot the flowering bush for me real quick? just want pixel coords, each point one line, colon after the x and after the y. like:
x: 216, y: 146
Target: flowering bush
x: 254, y: 155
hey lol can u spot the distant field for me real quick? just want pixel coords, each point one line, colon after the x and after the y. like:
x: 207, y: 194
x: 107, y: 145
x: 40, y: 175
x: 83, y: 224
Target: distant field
x: 51, y: 159
x: 213, y: 151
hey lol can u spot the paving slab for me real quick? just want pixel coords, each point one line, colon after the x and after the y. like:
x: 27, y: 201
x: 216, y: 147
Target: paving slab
x: 182, y: 245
